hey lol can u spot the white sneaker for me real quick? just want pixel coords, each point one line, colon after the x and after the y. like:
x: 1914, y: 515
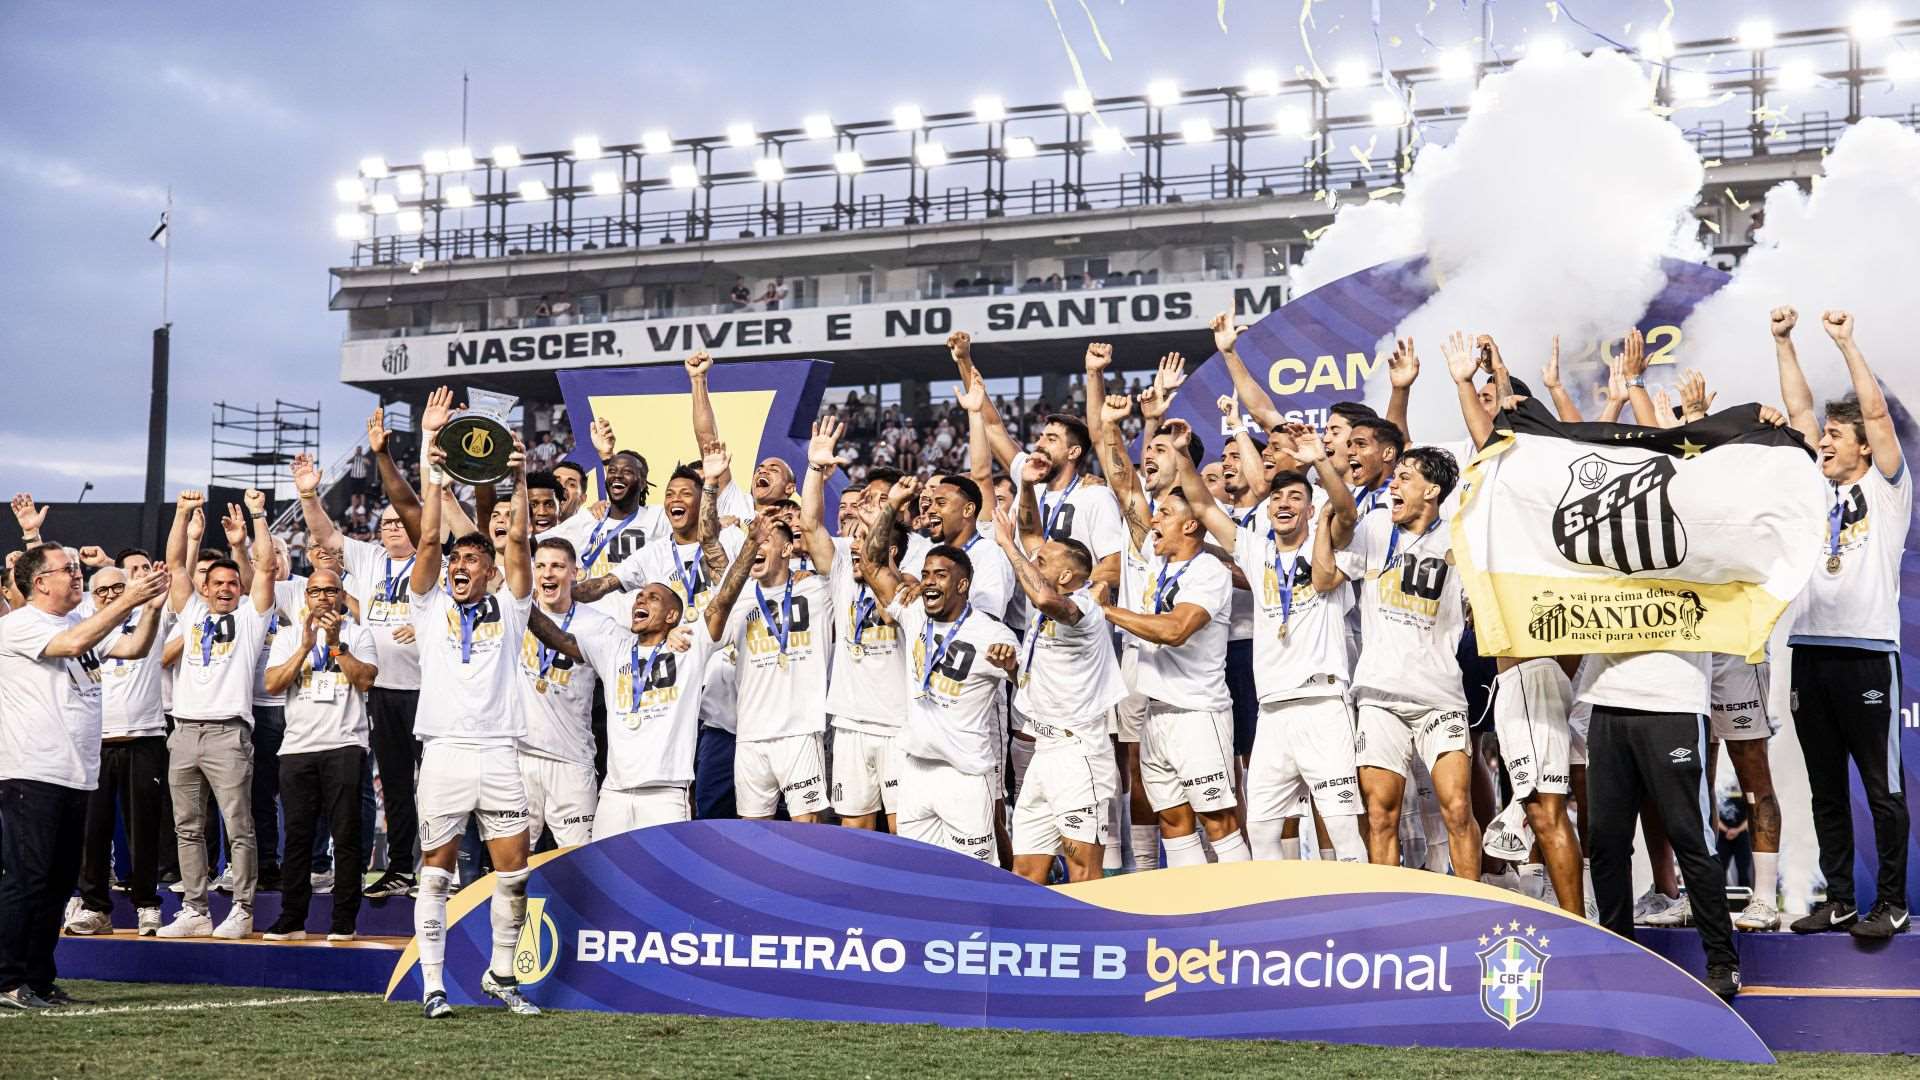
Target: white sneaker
x: 237, y: 924
x: 1759, y: 915
x: 149, y: 921
x: 177, y: 888
x: 1506, y: 879
x: 187, y: 923
x: 223, y: 883
x: 1671, y: 912
x: 1649, y: 902
x: 84, y: 923
x: 321, y: 882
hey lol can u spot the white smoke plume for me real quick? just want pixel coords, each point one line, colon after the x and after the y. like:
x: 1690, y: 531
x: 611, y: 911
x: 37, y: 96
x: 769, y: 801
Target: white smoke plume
x: 1547, y: 214
x: 1853, y: 244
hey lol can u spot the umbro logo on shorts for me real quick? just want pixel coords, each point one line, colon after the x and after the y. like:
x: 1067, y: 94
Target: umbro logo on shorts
x: 1519, y: 776
x: 1743, y: 721
x: 1212, y: 793
x: 1073, y: 819
x: 1681, y: 754
x: 1346, y: 795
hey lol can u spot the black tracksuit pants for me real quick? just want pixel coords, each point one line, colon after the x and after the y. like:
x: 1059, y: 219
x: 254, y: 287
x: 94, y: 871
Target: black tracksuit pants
x: 1846, y: 706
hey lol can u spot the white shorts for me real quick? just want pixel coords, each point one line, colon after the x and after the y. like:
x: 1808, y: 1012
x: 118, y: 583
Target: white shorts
x: 457, y: 781
x: 1302, y: 749
x: 1390, y: 736
x: 1530, y: 706
x: 1186, y: 757
x: 1739, y: 709
x: 637, y: 808
x: 1064, y: 796
x: 1130, y: 716
x: 942, y: 806
x: 866, y: 773
x: 560, y: 796
x: 1578, y: 717
x: 793, y: 768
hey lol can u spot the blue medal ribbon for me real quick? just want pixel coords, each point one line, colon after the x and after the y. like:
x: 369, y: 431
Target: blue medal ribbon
x: 320, y: 657
x: 547, y: 655
x: 689, y: 574
x: 1393, y: 543
x: 596, y: 545
x: 1284, y: 574
x: 933, y: 656
x: 1368, y: 500
x: 206, y: 641
x: 785, y: 627
x: 1163, y: 583
x: 1838, y: 510
x: 863, y: 607
x: 393, y: 579
x: 1048, y: 517
x: 641, y: 677
x: 469, y: 618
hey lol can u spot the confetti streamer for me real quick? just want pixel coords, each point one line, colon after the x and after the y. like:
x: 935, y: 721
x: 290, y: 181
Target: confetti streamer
x: 1553, y: 11
x: 1098, y: 39
x: 1220, y: 15
x: 1381, y: 193
x: 1711, y: 227
x: 1735, y: 200
x: 1306, y: 20
x: 1365, y: 156
x: 1315, y: 234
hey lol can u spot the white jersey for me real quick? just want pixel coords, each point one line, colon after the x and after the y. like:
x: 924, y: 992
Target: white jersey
x: 1086, y: 512
x: 555, y: 693
x: 677, y: 566
x: 601, y: 545
x: 720, y: 691
x: 49, y: 706
x: 131, y: 689
x: 324, y: 711
x: 289, y: 611
x: 869, y: 687
x: 993, y: 588
x: 467, y: 665
x: 378, y: 583
x: 1136, y: 581
x: 1859, y: 603
x: 1412, y: 611
x: 1658, y: 682
x: 950, y: 718
x: 1192, y: 676
x: 1300, y: 634
x: 218, y: 663
x: 1248, y: 519
x: 1069, y: 679
x: 783, y: 684
x: 1463, y: 451
x: 653, y: 703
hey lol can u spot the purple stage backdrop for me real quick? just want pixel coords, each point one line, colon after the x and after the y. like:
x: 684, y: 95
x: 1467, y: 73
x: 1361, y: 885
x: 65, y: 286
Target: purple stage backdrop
x: 766, y: 919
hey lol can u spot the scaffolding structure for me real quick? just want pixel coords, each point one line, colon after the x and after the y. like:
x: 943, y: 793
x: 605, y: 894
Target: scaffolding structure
x: 254, y: 446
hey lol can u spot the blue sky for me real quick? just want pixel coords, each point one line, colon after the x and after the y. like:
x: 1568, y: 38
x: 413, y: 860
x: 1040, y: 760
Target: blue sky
x: 250, y: 112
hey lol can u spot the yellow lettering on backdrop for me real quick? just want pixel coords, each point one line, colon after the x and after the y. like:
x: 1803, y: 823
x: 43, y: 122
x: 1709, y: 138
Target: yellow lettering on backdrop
x: 655, y: 427
x: 1291, y: 375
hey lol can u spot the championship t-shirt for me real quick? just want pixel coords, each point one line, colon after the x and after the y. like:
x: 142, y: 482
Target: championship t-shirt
x: 289, y: 610
x: 777, y: 697
x: 49, y: 706
x: 1412, y: 612
x: 555, y: 692
x: 1086, y: 512
x: 653, y: 704
x: 1660, y: 682
x: 1299, y: 634
x: 993, y: 585
x: 678, y: 566
x: 130, y: 690
x: 1192, y: 676
x: 324, y: 711
x: 1069, y: 678
x: 719, y: 696
x: 953, y: 688
x: 600, y: 545
x: 868, y: 691
x: 1246, y: 519
x: 218, y: 664
x: 1858, y: 604
x: 379, y: 584
x: 468, y: 665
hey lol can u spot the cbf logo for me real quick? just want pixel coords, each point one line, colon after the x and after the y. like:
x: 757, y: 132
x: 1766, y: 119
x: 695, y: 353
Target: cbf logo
x: 539, y: 944
x: 395, y: 361
x: 1513, y: 973
x: 1618, y: 515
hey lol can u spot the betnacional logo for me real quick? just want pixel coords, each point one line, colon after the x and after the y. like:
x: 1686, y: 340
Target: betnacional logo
x: 1513, y: 971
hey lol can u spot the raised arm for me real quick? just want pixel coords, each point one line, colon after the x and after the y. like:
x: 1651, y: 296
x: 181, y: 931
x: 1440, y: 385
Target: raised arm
x: 1252, y: 465
x: 1614, y: 394
x: 706, y: 429
x: 1051, y: 601
x: 1098, y: 358
x: 1326, y: 574
x: 519, y: 567
x: 234, y: 525
x: 1403, y: 367
x: 877, y: 557
x: 77, y: 640
x: 1633, y: 364
x: 321, y: 532
x: 546, y: 633
x: 426, y: 563
x: 960, y: 347
x: 1873, y: 403
x: 1795, y: 394
x: 1462, y: 363
x: 1158, y: 398
x: 263, y: 576
x: 720, y: 607
x: 183, y: 546
x: 971, y: 395
x: 137, y: 645
x: 393, y: 482
x: 822, y: 460
x: 1026, y: 508
x: 1253, y: 396
x: 1563, y: 403
x: 1218, y: 525
x: 30, y: 519
x: 714, y: 464
x: 1111, y: 445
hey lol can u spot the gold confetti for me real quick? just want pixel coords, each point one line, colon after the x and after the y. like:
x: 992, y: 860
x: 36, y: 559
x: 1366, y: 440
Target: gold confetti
x: 1220, y: 15
x: 1711, y: 226
x: 1073, y: 58
x: 1365, y: 157
x: 1711, y: 163
x: 1320, y: 196
x: 1393, y: 41
x: 1553, y: 10
x: 1660, y: 110
x: 1381, y: 193
x: 1306, y: 20
x: 1737, y: 204
x: 1315, y: 234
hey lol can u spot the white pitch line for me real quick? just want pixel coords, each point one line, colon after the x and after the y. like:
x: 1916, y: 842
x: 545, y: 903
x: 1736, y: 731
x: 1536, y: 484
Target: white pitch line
x: 196, y: 1006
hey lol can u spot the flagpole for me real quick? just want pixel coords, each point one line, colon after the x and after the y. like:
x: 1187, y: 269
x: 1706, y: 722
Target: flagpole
x: 166, y: 259
x: 155, y: 491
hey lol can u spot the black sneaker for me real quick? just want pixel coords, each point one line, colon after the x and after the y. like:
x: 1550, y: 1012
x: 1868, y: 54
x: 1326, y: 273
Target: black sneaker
x: 1724, y: 980
x: 24, y: 1000
x: 1885, y: 920
x: 56, y: 995
x: 286, y: 928
x: 1826, y: 915
x: 391, y: 883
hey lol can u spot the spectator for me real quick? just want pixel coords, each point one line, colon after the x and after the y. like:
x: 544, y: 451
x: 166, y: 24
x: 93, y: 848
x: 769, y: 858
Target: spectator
x: 739, y: 296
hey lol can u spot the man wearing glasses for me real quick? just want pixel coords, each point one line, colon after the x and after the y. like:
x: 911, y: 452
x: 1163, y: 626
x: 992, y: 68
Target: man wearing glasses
x: 50, y: 661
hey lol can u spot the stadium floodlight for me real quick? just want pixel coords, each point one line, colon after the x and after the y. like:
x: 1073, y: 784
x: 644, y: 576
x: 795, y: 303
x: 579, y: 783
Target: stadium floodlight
x: 533, y: 191
x: 989, y: 109
x: 1196, y: 130
x: 1755, y: 34
x: 1261, y: 82
x: 459, y: 159
x: 409, y: 221
x: 409, y: 183
x: 373, y: 168
x: 1106, y: 140
x: 1293, y: 122
x: 1798, y: 75
x: 1656, y: 45
x: 1388, y: 113
x: 505, y: 156
x: 1455, y: 65
x: 1871, y: 23
x: 849, y: 163
x: 908, y: 118
x: 819, y: 126
x: 1162, y: 93
x: 434, y: 161
x: 683, y: 176
x: 770, y: 170
x: 350, y: 226
x: 1691, y: 86
x: 1021, y: 146
x: 1903, y: 66
x: 458, y: 197
x: 1077, y: 100
x: 740, y: 135
x: 586, y: 147
x: 349, y: 189
x: 383, y: 202
x: 1348, y: 74
x: 930, y: 155
x: 657, y: 141
x: 1547, y: 48
x: 606, y: 182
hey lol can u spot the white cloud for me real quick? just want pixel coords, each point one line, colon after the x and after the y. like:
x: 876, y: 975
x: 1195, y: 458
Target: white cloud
x: 62, y: 174
x: 232, y: 97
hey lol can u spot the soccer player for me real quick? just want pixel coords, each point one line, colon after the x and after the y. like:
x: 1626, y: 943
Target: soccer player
x: 959, y: 659
x: 555, y: 694
x: 468, y: 640
x: 772, y: 484
x: 1407, y: 681
x: 602, y: 543
x: 1846, y: 637
x: 1740, y: 718
x: 1253, y: 396
x: 324, y: 672
x: 212, y: 742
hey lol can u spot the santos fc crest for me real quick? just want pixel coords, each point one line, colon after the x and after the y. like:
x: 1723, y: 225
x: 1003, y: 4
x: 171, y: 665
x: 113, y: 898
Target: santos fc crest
x: 1619, y: 515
